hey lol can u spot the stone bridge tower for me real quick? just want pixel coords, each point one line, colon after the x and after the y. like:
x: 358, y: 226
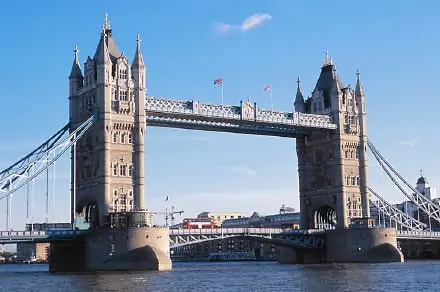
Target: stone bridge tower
x: 332, y: 166
x: 109, y: 161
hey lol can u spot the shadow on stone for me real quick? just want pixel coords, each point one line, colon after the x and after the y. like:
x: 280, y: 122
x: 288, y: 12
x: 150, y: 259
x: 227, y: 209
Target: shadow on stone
x: 385, y: 252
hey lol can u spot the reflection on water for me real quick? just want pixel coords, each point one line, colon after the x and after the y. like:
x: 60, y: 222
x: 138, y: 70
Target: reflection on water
x: 246, y: 276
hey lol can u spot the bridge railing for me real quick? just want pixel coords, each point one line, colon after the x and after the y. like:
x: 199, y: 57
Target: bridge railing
x: 220, y: 231
x: 418, y: 234
x: 21, y: 233
x: 246, y: 112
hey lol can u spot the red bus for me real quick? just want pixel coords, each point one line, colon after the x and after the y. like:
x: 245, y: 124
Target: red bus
x: 198, y: 223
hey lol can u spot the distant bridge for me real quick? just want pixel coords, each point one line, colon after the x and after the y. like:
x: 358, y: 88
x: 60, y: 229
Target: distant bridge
x: 312, y: 238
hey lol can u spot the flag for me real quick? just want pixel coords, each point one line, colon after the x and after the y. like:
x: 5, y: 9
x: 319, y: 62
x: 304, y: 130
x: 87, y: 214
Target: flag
x: 267, y: 88
x: 218, y: 81
x: 166, y: 199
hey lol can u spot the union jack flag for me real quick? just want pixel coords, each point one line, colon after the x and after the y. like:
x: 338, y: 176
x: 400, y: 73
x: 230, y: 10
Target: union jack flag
x: 218, y: 81
x: 267, y: 88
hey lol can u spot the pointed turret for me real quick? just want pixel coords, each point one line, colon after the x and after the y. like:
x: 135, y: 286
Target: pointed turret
x: 299, y: 104
x: 102, y: 55
x: 110, y: 42
x: 76, y: 77
x: 359, y: 91
x: 76, y: 67
x: 138, y: 60
x: 329, y: 83
x: 328, y: 79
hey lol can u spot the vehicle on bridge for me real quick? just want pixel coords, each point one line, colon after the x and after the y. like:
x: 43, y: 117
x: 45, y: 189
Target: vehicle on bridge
x: 198, y: 223
x: 283, y: 220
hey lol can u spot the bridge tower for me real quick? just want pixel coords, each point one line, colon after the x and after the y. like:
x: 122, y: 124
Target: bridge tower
x: 332, y: 166
x: 108, y: 167
x: 109, y: 161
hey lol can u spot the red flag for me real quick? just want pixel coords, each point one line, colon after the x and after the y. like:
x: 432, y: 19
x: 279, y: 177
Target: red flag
x: 218, y: 81
x: 267, y: 88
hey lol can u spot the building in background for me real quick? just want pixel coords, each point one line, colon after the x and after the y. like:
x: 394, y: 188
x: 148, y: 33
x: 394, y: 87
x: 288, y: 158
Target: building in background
x: 38, y: 251
x: 28, y: 251
x: 287, y: 218
x: 219, y: 217
x: 409, y: 208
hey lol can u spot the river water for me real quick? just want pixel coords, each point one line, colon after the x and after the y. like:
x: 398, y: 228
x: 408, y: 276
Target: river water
x: 237, y: 276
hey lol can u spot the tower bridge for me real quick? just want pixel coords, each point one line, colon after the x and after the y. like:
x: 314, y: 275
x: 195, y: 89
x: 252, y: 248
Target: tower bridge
x: 109, y: 110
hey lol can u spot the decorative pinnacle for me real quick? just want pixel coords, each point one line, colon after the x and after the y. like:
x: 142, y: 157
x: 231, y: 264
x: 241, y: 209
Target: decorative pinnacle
x: 138, y: 39
x: 358, y: 74
x: 421, y: 173
x: 298, y: 81
x: 76, y: 50
x: 327, y: 60
x: 106, y: 22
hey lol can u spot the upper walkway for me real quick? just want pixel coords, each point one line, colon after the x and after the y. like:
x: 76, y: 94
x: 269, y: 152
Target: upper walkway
x: 247, y: 118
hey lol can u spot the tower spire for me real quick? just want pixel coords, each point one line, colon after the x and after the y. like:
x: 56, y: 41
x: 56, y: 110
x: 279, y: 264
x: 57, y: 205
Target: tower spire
x: 299, y: 99
x: 138, y: 60
x: 359, y: 91
x: 107, y: 23
x: 76, y: 67
x: 327, y: 60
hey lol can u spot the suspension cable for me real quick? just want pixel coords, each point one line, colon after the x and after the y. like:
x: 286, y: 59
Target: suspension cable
x: 62, y: 147
x: 422, y: 202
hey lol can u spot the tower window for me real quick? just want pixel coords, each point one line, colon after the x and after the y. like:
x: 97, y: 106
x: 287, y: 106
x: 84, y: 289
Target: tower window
x: 123, y: 138
x: 115, y: 193
x: 115, y: 137
x: 123, y: 74
x: 115, y: 169
x: 353, y: 181
x: 357, y: 181
x: 123, y: 170
x: 123, y: 95
x: 130, y: 139
x: 130, y: 170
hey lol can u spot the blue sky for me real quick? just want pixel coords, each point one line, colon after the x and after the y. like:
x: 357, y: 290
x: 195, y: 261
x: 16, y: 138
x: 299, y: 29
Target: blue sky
x: 394, y: 47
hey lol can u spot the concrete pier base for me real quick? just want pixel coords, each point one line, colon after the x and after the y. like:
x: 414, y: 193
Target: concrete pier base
x: 288, y: 255
x: 348, y: 245
x: 144, y: 248
x: 362, y: 245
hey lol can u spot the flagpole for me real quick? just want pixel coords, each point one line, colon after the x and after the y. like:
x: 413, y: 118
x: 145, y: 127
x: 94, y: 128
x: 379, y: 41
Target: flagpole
x: 271, y: 100
x: 222, y: 90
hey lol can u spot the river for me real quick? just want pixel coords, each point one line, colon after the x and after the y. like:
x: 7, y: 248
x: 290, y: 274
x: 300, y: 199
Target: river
x: 237, y: 276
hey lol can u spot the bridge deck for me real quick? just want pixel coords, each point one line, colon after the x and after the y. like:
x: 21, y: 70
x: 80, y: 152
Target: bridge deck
x: 247, y: 118
x: 10, y: 237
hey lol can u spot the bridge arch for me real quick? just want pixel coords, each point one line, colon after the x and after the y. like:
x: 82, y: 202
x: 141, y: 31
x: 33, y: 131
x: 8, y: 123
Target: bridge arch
x: 325, y: 217
x: 89, y: 210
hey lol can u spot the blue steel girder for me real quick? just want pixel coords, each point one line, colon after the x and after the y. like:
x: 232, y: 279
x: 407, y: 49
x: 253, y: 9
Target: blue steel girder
x: 276, y: 236
x: 247, y: 118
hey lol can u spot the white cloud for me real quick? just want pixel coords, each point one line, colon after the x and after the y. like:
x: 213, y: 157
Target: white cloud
x: 410, y: 143
x: 254, y: 20
x: 249, y: 23
x: 241, y: 170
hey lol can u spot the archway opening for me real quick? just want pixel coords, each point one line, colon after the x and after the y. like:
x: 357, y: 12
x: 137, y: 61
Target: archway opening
x: 325, y: 218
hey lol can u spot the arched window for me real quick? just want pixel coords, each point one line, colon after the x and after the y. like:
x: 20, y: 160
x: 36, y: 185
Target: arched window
x: 115, y: 137
x: 115, y: 169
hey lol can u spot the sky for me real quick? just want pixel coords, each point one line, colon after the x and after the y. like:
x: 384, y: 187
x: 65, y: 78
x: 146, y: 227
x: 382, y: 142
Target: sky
x: 188, y: 44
